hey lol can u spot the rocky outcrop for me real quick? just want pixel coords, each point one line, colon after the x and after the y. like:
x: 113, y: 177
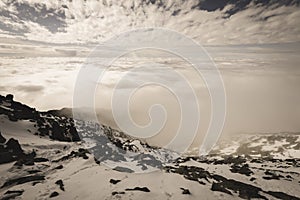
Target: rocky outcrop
x: 22, y: 180
x: 48, y: 124
x: 2, y: 139
x: 10, y: 151
x: 143, y: 189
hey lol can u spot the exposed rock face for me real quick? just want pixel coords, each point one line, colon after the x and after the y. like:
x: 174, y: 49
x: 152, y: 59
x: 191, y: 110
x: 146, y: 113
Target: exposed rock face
x: 12, y: 194
x: 2, y: 139
x: 113, y: 181
x: 10, y: 151
x: 22, y: 180
x: 13, y: 146
x: 213, y: 172
x: 56, y: 127
x: 60, y: 184
x: 54, y: 194
x: 225, y: 185
x: 185, y: 191
x: 143, y: 189
x: 244, y: 169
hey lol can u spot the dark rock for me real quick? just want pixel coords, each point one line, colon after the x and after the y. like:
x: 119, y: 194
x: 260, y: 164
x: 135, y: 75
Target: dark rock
x: 60, y: 184
x: 35, y: 182
x: 252, y: 179
x: 80, y: 153
x: 281, y: 195
x: 54, y: 194
x: 234, y: 160
x: 14, y: 191
x: 115, y: 193
x: 143, y: 189
x: 6, y: 157
x: 26, y: 159
x: 41, y: 160
x: 9, y: 97
x: 245, y: 191
x: 272, y: 175
x: 123, y: 169
x: 11, y: 151
x: 113, y: 181
x: 14, y: 146
x: 12, y: 194
x: 241, y: 169
x: 219, y: 187
x: 190, y: 172
x: 56, y: 127
x: 2, y: 139
x: 185, y: 191
x: 34, y: 171
x: 59, y: 167
x: 289, y: 177
x: 22, y: 180
x: 97, y: 161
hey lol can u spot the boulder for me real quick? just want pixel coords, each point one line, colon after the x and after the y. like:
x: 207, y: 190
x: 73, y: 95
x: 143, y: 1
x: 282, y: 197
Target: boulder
x: 2, y: 139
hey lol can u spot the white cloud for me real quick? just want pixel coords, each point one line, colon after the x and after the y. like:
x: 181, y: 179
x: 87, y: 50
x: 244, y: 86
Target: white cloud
x: 94, y: 21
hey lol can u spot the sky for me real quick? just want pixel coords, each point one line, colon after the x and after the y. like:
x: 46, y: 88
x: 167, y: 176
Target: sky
x: 254, y: 44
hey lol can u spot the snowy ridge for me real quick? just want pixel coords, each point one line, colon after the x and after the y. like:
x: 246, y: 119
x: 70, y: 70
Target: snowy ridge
x: 268, y: 145
x: 109, y: 146
x: 102, y: 164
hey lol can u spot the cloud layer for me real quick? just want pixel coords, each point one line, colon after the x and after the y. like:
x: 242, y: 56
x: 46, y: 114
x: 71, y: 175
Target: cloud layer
x: 208, y: 22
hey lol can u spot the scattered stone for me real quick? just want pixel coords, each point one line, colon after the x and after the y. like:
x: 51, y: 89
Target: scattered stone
x: 36, y: 182
x: 60, y: 184
x: 59, y: 167
x: 14, y: 191
x: 2, y: 139
x: 115, y: 193
x: 241, y: 169
x: 185, y: 191
x: 143, y: 189
x: 48, y: 124
x: 289, y: 177
x: 123, y: 169
x: 281, y: 195
x: 74, y: 154
x: 40, y: 160
x: 96, y: 161
x: 22, y: 180
x: 219, y: 187
x: 12, y: 151
x: 54, y: 194
x: 113, y: 181
x: 14, y: 146
x: 252, y: 179
x: 9, y: 97
x: 34, y: 171
x: 238, y: 160
x: 190, y: 172
x: 244, y: 190
x: 272, y: 175
x: 26, y: 159
x: 12, y: 194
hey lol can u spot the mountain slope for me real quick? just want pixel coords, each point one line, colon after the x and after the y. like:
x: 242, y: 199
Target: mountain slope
x: 41, y: 167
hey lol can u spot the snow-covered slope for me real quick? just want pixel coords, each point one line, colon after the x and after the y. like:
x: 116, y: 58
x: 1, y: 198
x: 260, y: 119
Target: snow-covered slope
x: 263, y: 145
x: 102, y: 165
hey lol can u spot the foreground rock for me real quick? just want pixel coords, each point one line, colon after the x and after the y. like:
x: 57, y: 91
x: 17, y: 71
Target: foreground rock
x: 56, y: 127
x: 22, y: 180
